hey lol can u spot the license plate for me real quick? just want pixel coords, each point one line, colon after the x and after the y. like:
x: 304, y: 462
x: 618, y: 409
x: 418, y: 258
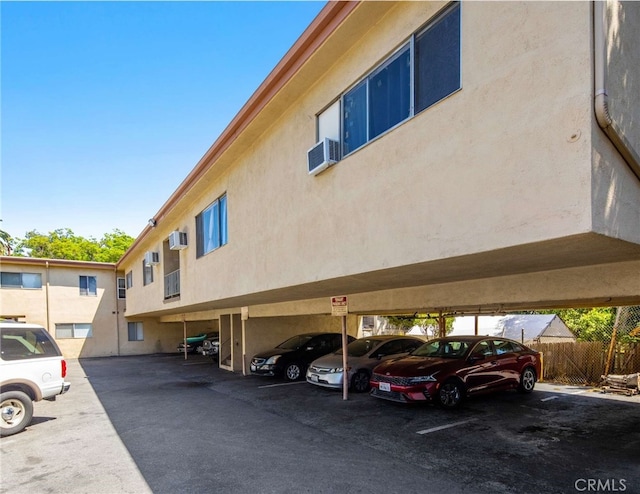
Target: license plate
x: 385, y: 387
x: 314, y: 378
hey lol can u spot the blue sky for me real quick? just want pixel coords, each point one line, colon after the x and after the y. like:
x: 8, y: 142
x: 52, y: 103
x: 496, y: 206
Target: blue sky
x: 107, y: 106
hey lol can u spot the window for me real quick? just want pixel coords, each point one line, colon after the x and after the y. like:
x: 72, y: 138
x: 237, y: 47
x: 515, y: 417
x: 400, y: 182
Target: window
x: 211, y: 227
x: 135, y: 331
x: 482, y: 350
x: 437, y: 60
x: 147, y: 273
x: 122, y: 290
x: 419, y: 74
x: 74, y: 330
x: 20, y: 280
x: 88, y: 286
x: 391, y: 348
x: 19, y: 344
x: 503, y: 346
x: 129, y: 277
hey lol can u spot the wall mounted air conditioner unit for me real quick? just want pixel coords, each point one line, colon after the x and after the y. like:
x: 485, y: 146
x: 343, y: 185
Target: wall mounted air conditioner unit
x: 151, y: 258
x: 321, y: 156
x: 177, y: 240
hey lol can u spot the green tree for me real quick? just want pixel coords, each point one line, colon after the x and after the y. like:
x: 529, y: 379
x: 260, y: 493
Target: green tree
x: 113, y: 246
x: 595, y: 324
x: 64, y: 244
x: 6, y: 243
x: 426, y: 321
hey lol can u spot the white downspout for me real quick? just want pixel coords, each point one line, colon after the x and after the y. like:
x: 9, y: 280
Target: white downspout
x: 601, y: 98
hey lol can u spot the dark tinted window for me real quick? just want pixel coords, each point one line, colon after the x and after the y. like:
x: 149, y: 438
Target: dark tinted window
x: 390, y: 94
x: 437, y: 60
x: 390, y: 348
x: 355, y: 118
x: 294, y: 342
x: 411, y: 345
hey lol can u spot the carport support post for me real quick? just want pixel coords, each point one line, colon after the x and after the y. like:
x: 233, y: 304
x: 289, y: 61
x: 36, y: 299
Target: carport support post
x: 345, y: 371
x: 184, y: 330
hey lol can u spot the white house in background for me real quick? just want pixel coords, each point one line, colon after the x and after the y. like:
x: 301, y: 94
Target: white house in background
x: 543, y: 328
x: 528, y: 328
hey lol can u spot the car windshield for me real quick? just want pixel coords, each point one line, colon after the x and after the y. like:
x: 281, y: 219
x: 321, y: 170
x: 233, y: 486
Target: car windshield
x: 359, y: 347
x: 442, y: 349
x: 295, y: 342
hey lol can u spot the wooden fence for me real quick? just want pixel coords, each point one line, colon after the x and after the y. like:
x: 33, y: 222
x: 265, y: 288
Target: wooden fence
x: 584, y: 362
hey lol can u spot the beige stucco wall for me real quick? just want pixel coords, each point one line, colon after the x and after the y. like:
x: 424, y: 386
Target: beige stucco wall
x: 265, y: 333
x: 59, y: 302
x: 507, y: 164
x: 616, y: 196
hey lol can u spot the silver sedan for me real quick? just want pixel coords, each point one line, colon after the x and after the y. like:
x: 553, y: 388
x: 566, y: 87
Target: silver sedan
x: 362, y: 356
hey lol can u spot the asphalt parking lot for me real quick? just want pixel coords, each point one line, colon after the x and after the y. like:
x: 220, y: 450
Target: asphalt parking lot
x: 165, y: 425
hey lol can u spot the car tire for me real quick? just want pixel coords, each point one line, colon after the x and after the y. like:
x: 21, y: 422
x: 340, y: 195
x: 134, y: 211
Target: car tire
x: 527, y: 380
x: 293, y: 372
x: 451, y: 394
x: 16, y: 411
x: 360, y: 382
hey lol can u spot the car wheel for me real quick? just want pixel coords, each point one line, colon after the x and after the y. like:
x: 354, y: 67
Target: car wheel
x: 16, y: 410
x: 293, y: 372
x: 527, y: 380
x: 450, y: 394
x: 360, y: 382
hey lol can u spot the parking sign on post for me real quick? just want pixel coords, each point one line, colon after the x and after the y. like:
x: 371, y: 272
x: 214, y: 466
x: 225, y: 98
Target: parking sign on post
x: 340, y: 307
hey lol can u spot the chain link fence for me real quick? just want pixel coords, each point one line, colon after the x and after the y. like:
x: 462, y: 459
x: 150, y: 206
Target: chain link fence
x: 607, y: 342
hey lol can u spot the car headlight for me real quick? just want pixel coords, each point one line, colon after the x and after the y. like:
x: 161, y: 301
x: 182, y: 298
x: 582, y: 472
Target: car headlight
x: 421, y: 379
x: 336, y: 370
x: 272, y: 360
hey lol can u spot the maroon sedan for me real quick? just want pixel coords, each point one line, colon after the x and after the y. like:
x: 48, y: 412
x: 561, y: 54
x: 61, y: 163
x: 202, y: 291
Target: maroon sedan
x: 446, y: 370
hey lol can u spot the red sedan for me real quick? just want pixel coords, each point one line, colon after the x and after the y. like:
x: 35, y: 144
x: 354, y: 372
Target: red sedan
x: 447, y: 370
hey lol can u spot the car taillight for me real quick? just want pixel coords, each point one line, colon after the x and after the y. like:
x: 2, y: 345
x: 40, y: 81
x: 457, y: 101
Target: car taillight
x: 64, y: 369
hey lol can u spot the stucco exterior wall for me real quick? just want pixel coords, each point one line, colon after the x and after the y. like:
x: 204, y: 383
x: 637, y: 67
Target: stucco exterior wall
x: 265, y: 333
x: 616, y: 189
x: 501, y: 173
x: 59, y: 302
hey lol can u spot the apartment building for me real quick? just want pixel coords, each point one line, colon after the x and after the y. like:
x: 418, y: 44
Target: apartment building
x: 82, y: 304
x: 450, y: 158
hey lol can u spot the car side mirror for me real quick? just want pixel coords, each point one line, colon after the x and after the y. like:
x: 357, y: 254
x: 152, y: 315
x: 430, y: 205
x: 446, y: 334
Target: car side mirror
x: 476, y: 358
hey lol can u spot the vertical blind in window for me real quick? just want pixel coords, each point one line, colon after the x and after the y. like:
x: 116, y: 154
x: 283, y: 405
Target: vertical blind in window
x: 211, y: 227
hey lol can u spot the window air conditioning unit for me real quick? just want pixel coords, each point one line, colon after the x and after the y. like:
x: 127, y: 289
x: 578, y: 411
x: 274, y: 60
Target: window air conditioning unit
x: 324, y: 154
x: 177, y: 240
x: 151, y: 258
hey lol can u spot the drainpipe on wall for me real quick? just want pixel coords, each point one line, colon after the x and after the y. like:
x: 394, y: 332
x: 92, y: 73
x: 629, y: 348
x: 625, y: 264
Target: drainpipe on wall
x: 601, y: 98
x: 46, y: 293
x: 117, y: 291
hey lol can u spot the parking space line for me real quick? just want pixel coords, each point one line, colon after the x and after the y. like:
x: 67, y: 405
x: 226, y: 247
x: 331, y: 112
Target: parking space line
x: 442, y: 427
x: 281, y: 384
x: 550, y: 398
x: 580, y: 392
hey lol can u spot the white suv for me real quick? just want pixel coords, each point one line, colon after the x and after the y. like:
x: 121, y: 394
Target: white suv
x: 31, y: 369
